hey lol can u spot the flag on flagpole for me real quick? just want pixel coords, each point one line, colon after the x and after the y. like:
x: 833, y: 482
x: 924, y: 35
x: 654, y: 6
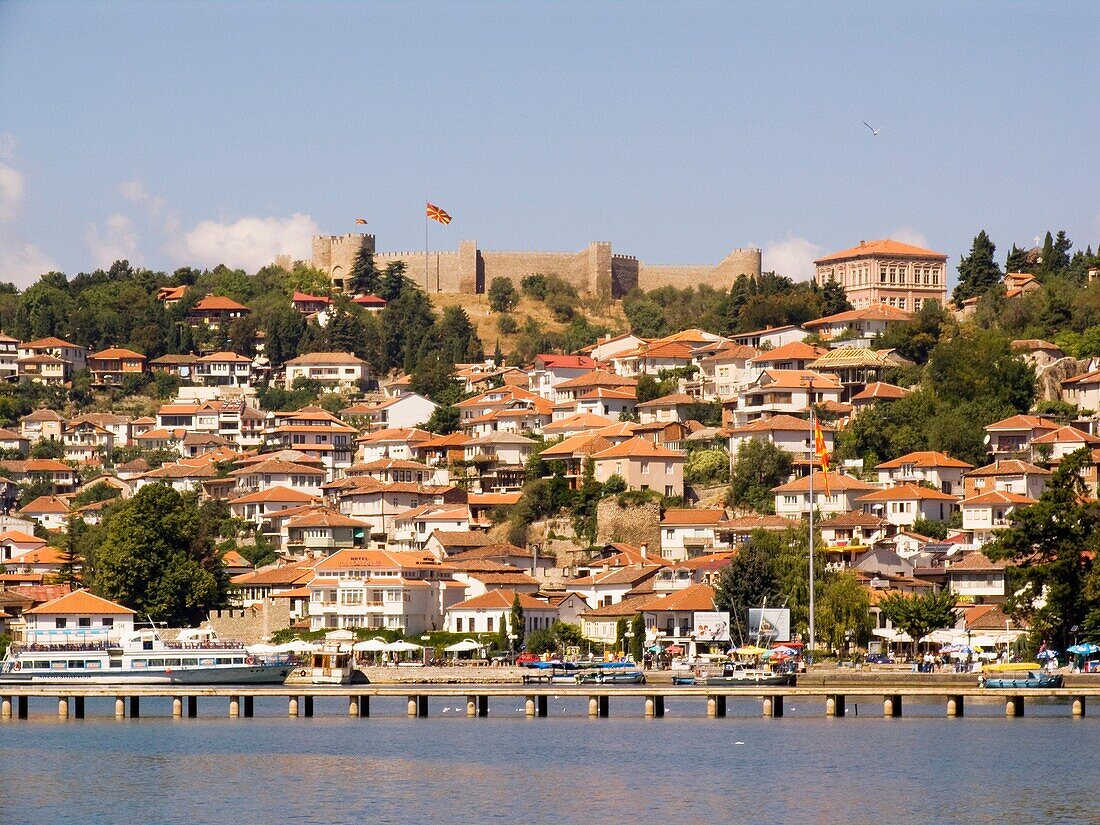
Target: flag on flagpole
x: 361, y: 221
x: 821, y: 452
x: 438, y: 215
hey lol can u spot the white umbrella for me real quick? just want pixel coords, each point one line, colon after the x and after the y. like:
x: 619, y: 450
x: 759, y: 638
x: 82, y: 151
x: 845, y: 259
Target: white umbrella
x: 464, y: 646
x: 296, y: 646
x: 401, y: 646
x: 262, y: 649
x: 339, y: 636
x: 371, y: 646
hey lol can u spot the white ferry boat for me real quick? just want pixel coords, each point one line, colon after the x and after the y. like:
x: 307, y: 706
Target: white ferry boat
x: 196, y: 657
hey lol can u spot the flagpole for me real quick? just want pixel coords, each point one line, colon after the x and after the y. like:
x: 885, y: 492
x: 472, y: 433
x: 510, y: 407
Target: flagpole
x: 813, y: 455
x: 425, y: 247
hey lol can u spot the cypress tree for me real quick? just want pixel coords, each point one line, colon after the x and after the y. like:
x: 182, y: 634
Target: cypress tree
x: 978, y: 271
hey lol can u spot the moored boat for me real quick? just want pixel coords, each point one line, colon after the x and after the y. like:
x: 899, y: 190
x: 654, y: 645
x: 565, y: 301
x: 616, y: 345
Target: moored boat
x: 735, y: 674
x: 195, y: 657
x: 612, y: 673
x: 1026, y: 675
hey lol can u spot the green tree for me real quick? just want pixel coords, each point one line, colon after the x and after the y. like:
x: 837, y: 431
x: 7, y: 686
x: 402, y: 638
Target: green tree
x: 931, y: 528
x: 978, y: 271
x: 502, y: 639
x: 1017, y: 260
x: 1049, y: 547
x: 709, y: 466
x: 48, y: 448
x: 516, y: 622
x: 540, y: 641
x: 444, y: 420
x: 843, y: 608
x: 759, y: 467
x: 979, y: 364
x: 621, y: 626
x: 749, y: 578
x: 637, y: 641
x: 503, y: 296
x: 833, y: 298
x: 157, y: 558
x: 919, y: 615
x: 394, y: 281
x: 363, y: 278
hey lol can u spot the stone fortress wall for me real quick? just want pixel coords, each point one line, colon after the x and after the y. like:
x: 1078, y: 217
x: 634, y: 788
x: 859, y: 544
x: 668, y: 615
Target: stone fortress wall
x: 596, y: 269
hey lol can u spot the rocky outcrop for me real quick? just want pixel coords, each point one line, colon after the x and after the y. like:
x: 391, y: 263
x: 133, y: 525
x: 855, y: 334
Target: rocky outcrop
x: 1048, y: 379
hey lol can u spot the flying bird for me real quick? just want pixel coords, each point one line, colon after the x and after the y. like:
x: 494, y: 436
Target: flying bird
x: 874, y: 131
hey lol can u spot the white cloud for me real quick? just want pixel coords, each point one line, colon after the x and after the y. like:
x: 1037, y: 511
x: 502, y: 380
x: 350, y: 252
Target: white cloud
x: 793, y: 257
x: 909, y: 235
x: 21, y: 262
x: 119, y: 241
x: 11, y: 192
x: 135, y: 192
x: 248, y: 243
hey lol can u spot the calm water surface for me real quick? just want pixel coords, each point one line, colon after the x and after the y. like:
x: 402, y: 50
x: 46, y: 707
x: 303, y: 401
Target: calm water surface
x: 681, y: 769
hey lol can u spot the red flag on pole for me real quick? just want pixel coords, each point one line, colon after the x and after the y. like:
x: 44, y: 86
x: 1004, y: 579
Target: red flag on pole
x: 437, y: 214
x: 821, y: 452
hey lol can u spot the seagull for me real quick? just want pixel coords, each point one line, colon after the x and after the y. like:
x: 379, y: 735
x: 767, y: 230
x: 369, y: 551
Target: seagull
x: 874, y: 131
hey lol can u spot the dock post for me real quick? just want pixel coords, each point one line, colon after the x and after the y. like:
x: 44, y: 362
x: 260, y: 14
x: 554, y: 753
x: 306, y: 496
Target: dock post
x: 1014, y: 706
x: 413, y: 707
x: 716, y: 707
x: 307, y: 706
x: 353, y: 706
x: 292, y: 707
x: 956, y: 706
x: 120, y: 707
x: 63, y: 708
x: 834, y: 705
x: 529, y: 707
x: 22, y: 707
x: 177, y: 707
x: 1078, y: 706
x: 5, y: 707
x: 249, y: 706
x: 234, y: 707
x: 135, y: 707
x: 482, y: 706
x: 471, y: 705
x: 891, y: 706
x: 773, y: 707
x: 593, y: 707
x: 650, y: 707
x: 192, y: 707
x: 78, y: 707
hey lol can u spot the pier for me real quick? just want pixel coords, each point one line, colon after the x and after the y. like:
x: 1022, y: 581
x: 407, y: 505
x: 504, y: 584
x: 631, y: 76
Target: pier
x: 238, y: 701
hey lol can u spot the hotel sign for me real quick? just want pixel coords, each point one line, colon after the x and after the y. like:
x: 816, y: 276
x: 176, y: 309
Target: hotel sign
x: 712, y: 627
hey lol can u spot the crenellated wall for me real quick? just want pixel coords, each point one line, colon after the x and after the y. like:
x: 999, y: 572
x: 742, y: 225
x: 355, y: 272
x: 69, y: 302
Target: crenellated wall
x: 595, y: 270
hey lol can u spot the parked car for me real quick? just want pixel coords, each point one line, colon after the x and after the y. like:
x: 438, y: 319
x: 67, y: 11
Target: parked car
x: 878, y: 659
x: 526, y: 658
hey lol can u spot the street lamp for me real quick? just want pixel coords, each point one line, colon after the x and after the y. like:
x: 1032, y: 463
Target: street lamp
x: 512, y: 645
x: 629, y: 636
x: 425, y: 639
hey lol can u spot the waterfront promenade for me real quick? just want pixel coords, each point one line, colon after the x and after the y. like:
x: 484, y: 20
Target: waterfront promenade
x: 648, y: 700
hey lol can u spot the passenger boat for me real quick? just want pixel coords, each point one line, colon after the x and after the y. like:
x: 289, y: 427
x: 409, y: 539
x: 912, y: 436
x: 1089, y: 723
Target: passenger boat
x: 1027, y: 675
x: 612, y: 673
x: 329, y: 665
x: 735, y: 674
x: 553, y: 673
x: 141, y: 657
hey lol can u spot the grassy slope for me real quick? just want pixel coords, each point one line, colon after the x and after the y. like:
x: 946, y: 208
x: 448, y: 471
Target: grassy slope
x: 477, y: 307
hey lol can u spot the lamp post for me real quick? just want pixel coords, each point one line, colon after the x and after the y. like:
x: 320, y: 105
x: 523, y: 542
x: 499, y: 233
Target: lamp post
x: 512, y: 646
x: 629, y: 636
x: 425, y: 639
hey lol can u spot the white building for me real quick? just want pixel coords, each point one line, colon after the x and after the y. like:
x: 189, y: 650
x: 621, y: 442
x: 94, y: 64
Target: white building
x: 489, y: 612
x: 334, y: 370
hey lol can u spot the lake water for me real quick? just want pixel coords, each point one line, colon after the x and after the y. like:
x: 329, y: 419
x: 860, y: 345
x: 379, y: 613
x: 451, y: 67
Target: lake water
x: 684, y: 768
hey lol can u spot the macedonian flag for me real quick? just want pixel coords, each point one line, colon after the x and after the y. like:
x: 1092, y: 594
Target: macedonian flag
x: 437, y: 214
x: 821, y: 453
x: 361, y: 221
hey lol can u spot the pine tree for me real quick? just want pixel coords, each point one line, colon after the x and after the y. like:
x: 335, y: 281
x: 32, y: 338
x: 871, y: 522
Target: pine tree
x: 1017, y: 260
x: 498, y: 356
x: 1059, y: 257
x: 364, y: 279
x: 978, y: 271
x: 1047, y: 257
x: 517, y: 623
x: 834, y: 298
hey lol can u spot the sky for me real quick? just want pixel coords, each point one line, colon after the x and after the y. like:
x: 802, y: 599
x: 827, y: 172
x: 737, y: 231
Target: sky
x: 198, y: 133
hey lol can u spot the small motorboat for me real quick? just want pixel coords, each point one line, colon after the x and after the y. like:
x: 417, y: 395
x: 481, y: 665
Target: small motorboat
x: 612, y: 673
x: 735, y: 674
x: 1026, y: 675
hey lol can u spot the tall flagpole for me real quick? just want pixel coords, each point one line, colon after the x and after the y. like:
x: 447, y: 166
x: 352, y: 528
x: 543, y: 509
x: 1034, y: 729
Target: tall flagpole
x: 425, y: 247
x: 813, y: 456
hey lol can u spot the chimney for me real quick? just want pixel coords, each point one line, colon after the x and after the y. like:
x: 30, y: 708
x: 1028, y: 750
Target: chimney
x: 645, y: 551
x: 863, y: 243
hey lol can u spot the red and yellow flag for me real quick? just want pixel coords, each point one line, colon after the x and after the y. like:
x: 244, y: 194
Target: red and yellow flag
x: 821, y: 452
x: 438, y: 215
x: 361, y: 221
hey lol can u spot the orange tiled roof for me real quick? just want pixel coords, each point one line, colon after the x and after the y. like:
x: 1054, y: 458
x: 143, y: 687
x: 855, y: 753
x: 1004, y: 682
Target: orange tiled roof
x: 884, y: 247
x: 81, y: 602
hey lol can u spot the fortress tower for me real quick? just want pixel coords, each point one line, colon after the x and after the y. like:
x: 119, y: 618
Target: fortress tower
x: 335, y: 254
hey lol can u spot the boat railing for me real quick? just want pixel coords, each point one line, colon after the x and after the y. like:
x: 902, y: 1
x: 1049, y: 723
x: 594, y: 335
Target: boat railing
x: 39, y: 647
x: 206, y: 645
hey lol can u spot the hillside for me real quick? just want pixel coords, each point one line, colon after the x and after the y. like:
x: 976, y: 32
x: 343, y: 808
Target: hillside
x: 477, y: 308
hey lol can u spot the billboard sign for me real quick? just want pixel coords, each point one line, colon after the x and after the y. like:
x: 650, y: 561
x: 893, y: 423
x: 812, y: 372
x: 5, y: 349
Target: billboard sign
x: 770, y: 624
x: 712, y: 627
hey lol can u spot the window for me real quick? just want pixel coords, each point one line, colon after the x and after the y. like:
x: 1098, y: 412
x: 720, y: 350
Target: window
x: 60, y: 622
x: 84, y: 621
x: 458, y: 625
x: 488, y: 624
